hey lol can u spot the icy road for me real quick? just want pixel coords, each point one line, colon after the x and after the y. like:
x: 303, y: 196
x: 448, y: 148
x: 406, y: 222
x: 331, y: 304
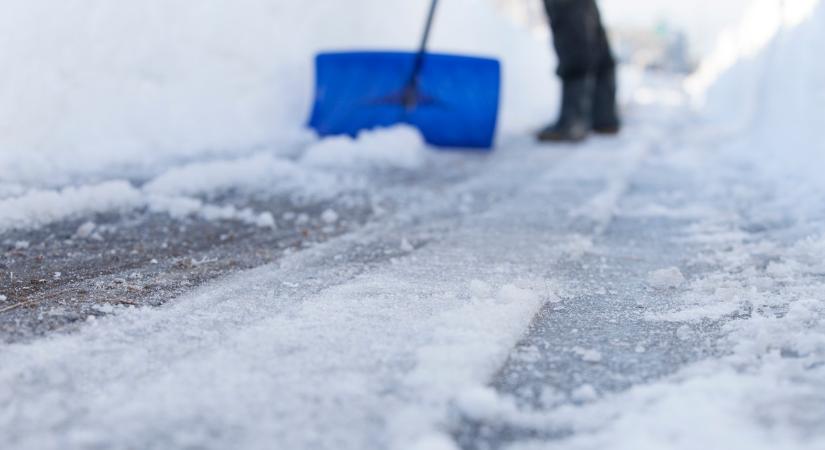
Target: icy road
x: 664, y: 289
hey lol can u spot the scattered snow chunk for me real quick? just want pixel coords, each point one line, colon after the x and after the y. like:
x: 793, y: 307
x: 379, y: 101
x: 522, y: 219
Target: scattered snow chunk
x: 685, y: 332
x: 265, y: 220
x: 153, y: 261
x: 105, y: 308
x: 640, y: 349
x: 85, y: 231
x: 57, y: 311
x: 21, y: 245
x: 480, y: 289
x: 57, y: 275
x: 584, y: 393
x: 669, y: 278
x: 329, y: 216
x: 302, y: 219
x: 588, y: 355
x: 576, y: 246
x: 177, y: 207
x: 3, y: 298
x: 406, y: 246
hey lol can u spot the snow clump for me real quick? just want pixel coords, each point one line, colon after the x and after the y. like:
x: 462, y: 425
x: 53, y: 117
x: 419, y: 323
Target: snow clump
x: 669, y: 278
x: 584, y: 393
x: 480, y: 289
x: 400, y: 147
x: 329, y: 216
x: 587, y: 355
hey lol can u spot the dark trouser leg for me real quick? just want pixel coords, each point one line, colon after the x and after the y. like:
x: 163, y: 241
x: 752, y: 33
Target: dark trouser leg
x: 605, y: 111
x: 586, y: 68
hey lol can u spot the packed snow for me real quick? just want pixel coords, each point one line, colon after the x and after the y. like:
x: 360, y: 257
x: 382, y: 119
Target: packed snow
x: 390, y: 335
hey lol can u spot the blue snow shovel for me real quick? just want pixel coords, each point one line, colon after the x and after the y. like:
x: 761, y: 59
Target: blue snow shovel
x: 453, y: 100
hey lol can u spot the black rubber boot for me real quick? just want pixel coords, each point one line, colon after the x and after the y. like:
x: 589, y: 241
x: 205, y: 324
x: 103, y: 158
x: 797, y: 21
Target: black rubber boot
x: 605, y: 112
x: 575, y: 118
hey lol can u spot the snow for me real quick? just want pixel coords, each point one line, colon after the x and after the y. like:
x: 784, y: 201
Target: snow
x: 669, y: 278
x: 403, y: 337
x: 85, y: 231
x: 588, y: 355
x: 254, y: 172
x: 406, y: 246
x: 41, y: 207
x: 140, y: 87
x: 584, y: 393
x: 329, y: 216
x: 333, y: 347
x: 398, y: 147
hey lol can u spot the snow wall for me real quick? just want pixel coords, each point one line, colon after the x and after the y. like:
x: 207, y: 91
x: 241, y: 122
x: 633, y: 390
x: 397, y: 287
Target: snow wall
x: 763, y: 90
x: 94, y: 86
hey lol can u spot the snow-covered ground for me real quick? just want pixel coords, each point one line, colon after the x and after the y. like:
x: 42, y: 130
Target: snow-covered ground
x: 662, y: 289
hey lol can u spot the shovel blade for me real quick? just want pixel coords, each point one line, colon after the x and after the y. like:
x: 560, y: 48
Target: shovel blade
x: 456, y: 104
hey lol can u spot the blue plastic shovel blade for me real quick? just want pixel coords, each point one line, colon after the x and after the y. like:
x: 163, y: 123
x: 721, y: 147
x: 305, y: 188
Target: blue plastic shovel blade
x: 458, y: 96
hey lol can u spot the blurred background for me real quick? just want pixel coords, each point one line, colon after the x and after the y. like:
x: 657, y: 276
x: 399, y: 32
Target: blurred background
x: 657, y: 34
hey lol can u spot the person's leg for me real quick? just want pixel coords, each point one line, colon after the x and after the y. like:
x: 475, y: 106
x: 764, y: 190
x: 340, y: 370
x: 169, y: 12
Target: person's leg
x: 575, y: 38
x: 605, y: 111
x: 575, y: 25
x: 584, y: 63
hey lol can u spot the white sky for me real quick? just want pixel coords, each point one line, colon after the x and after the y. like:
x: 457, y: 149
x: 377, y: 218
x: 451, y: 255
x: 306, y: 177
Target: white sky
x: 703, y: 20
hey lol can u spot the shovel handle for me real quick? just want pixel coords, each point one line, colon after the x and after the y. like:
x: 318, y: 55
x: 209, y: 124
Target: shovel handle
x: 411, y: 90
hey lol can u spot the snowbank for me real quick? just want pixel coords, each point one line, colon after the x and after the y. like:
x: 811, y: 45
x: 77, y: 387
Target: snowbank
x: 176, y: 192
x: 726, y: 82
x: 93, y: 86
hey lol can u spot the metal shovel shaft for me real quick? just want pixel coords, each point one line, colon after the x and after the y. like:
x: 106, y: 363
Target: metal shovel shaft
x: 410, y: 97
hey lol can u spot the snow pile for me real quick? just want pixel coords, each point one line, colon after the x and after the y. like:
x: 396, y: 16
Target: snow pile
x: 41, y: 207
x: 398, y: 147
x: 174, y: 192
x: 94, y: 87
x: 726, y: 84
x: 259, y: 171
